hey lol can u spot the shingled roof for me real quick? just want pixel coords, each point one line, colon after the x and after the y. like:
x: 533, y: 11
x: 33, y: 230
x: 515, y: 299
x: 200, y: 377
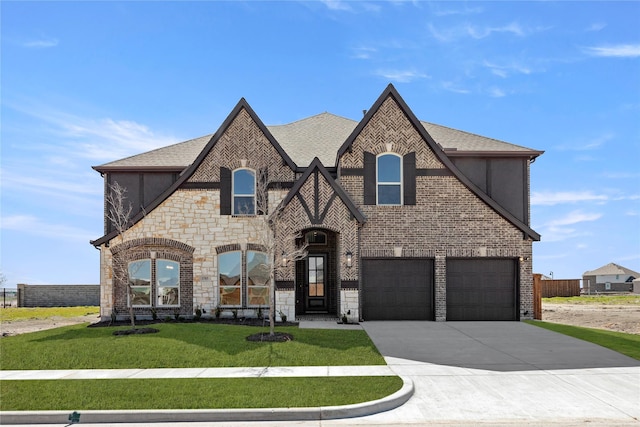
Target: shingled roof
x: 316, y: 136
x: 610, y: 270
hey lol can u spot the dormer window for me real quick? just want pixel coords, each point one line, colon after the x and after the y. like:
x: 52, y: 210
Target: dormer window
x: 244, y: 192
x: 389, y: 179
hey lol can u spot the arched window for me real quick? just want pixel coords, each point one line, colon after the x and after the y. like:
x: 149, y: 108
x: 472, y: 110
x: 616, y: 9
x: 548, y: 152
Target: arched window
x: 389, y: 179
x: 244, y: 192
x: 168, y: 282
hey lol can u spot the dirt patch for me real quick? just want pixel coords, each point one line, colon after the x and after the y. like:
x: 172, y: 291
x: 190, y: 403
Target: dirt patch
x: 619, y: 318
x: 17, y: 327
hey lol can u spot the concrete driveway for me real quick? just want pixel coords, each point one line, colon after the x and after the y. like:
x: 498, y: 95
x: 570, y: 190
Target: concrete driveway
x: 469, y: 373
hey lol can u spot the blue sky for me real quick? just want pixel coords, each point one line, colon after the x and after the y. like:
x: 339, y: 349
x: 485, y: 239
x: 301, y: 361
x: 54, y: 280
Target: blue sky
x: 84, y: 83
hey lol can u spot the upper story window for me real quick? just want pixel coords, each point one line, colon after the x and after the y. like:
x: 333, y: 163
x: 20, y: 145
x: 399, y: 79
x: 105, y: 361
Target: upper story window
x: 389, y: 179
x: 244, y: 192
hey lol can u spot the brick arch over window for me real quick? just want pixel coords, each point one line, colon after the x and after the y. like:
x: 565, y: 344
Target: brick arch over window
x: 162, y: 248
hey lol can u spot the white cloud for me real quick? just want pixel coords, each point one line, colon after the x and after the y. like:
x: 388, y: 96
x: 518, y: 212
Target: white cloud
x: 453, y: 87
x: 41, y: 43
x: 564, y: 227
x: 615, y: 51
x: 590, y: 144
x: 336, y: 5
x: 463, y: 11
x: 30, y: 224
x: 495, y: 92
x: 508, y: 69
x: 596, y: 26
x: 97, y: 139
x: 574, y: 217
x: 482, y: 32
x: 550, y: 198
x: 401, y: 76
x: 364, y: 52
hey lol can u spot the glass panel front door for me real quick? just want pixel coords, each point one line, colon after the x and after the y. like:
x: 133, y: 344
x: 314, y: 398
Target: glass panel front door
x: 316, y: 298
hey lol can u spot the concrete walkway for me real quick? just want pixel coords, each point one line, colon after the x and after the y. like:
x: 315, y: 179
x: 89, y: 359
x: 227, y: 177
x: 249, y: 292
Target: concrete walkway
x: 456, y: 373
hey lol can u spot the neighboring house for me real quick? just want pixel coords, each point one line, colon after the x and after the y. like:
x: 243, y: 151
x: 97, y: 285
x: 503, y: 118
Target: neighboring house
x: 609, y: 278
x: 404, y: 220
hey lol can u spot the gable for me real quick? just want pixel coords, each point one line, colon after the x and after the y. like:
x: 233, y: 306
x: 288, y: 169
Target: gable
x: 317, y: 192
x: 391, y: 126
x: 242, y: 140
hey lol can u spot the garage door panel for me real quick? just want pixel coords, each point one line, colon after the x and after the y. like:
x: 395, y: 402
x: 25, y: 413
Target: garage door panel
x: 481, y: 289
x: 397, y: 289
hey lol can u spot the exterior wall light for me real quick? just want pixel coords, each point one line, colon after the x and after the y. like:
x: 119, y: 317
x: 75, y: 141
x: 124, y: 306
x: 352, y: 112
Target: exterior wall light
x: 349, y: 256
x: 284, y: 258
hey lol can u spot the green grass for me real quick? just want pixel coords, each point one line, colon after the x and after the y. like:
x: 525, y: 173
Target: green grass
x: 23, y: 313
x: 184, y: 345
x: 199, y: 393
x: 596, y: 300
x: 627, y: 344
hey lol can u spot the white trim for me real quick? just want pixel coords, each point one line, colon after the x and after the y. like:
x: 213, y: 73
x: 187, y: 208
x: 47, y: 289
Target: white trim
x: 390, y: 183
x: 234, y: 195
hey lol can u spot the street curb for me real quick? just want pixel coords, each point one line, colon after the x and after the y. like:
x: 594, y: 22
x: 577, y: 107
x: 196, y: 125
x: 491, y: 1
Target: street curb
x: 209, y: 415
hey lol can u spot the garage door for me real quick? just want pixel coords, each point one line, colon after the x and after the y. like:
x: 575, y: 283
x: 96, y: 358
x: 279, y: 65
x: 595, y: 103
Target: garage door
x: 397, y: 289
x: 482, y: 289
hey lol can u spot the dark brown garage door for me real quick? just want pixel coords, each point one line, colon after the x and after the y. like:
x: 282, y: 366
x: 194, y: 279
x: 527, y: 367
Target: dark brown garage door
x: 483, y: 289
x: 397, y: 289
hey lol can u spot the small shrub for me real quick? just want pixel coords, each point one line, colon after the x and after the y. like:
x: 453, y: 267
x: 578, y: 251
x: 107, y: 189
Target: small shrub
x: 283, y: 316
x: 198, y: 313
x: 260, y: 314
x: 154, y: 313
x: 218, y: 311
x: 176, y: 314
x: 235, y: 313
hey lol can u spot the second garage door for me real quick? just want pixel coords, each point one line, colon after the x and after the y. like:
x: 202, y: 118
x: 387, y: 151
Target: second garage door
x: 397, y: 289
x: 482, y: 289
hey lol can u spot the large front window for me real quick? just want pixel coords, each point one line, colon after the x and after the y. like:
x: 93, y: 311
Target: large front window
x: 168, y: 282
x: 230, y: 278
x: 389, y: 179
x: 244, y: 192
x: 140, y: 283
x: 258, y: 275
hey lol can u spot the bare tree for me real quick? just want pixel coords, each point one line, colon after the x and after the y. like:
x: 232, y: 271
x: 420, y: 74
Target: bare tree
x: 119, y: 214
x: 269, y: 219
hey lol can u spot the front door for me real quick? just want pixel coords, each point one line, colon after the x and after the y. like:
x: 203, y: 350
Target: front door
x: 315, y: 286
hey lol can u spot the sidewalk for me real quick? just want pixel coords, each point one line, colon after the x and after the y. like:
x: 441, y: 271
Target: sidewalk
x: 173, y: 416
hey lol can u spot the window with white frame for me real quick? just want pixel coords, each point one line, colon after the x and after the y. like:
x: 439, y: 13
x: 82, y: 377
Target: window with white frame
x: 139, y: 283
x: 258, y: 276
x: 389, y: 179
x: 168, y: 282
x: 230, y: 278
x: 244, y: 192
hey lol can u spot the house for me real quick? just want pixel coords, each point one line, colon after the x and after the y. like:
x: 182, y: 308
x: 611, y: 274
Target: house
x: 404, y: 220
x: 609, y: 278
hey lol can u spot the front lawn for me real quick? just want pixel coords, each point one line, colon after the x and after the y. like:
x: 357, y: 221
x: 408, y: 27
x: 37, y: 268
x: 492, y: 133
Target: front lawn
x: 184, y: 345
x: 627, y: 344
x: 193, y: 393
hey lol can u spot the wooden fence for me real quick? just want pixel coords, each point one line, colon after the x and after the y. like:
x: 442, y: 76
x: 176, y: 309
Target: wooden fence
x: 560, y: 288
